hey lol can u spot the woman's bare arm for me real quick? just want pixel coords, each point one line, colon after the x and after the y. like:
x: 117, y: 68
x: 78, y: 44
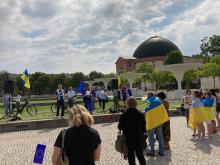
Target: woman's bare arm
x: 56, y: 155
x: 97, y: 153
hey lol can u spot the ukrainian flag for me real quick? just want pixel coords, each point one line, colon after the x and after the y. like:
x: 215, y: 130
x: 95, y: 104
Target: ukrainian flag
x: 193, y: 117
x: 156, y: 113
x: 200, y: 114
x: 25, y: 78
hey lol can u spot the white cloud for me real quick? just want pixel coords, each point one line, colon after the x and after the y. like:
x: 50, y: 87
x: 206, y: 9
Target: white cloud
x: 71, y: 35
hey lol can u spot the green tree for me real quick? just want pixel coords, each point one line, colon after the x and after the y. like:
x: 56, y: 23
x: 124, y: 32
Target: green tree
x: 190, y: 75
x: 215, y: 59
x: 148, y: 70
x: 174, y: 57
x: 94, y: 75
x: 211, y: 69
x: 163, y: 78
x: 76, y: 78
x: 210, y: 46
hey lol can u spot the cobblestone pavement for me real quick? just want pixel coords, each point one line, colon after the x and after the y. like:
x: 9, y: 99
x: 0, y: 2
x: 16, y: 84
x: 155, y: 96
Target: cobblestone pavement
x: 18, y: 148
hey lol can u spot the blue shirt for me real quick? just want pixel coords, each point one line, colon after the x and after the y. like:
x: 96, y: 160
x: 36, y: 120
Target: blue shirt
x: 208, y: 102
x: 197, y: 102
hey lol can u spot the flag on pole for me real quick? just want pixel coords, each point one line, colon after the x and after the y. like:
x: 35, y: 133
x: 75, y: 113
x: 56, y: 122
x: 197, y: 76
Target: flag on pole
x: 119, y: 81
x: 80, y: 88
x: 25, y: 78
x: 156, y: 113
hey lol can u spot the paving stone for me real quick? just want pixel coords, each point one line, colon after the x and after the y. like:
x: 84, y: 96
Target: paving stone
x: 18, y: 148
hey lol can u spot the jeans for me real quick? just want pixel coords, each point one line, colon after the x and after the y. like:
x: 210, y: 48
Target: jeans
x: 159, y: 137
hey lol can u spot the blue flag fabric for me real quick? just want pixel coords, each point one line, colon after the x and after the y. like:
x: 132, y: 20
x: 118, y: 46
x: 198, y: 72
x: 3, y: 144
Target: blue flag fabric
x: 80, y: 88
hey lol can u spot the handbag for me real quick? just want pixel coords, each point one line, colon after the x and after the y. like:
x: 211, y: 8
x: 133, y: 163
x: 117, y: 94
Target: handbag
x: 63, y: 160
x: 121, y: 144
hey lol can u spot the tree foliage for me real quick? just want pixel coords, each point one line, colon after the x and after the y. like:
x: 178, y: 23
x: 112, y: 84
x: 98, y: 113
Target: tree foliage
x: 174, y: 57
x: 94, y: 75
x: 147, y: 69
x: 210, y: 46
x: 163, y: 78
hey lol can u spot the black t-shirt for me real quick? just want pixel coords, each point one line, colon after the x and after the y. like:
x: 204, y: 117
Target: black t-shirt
x: 80, y: 144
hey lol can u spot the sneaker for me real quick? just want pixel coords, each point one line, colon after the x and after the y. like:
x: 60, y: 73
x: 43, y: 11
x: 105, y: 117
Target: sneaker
x: 161, y: 154
x: 150, y: 154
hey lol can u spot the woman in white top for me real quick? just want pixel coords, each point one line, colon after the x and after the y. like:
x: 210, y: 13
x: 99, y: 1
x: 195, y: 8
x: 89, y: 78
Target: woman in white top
x: 187, y: 101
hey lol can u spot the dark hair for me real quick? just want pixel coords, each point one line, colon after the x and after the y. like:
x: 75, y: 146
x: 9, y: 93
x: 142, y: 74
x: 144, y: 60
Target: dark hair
x: 197, y: 94
x: 209, y: 94
x: 212, y: 91
x: 188, y: 91
x: 161, y: 95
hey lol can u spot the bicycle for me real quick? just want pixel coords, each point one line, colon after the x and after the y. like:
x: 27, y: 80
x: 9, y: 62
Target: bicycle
x: 67, y: 105
x: 18, y: 109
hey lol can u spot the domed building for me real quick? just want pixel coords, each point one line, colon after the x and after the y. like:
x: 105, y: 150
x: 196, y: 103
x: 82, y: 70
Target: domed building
x: 153, y: 51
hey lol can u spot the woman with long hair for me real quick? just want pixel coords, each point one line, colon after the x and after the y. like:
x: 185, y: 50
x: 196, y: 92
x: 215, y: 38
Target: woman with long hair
x: 82, y: 143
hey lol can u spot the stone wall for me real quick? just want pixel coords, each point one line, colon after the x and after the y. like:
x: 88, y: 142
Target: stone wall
x: 208, y: 82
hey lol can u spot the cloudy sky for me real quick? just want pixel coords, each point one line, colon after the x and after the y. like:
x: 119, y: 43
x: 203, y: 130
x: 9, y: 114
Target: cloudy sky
x: 55, y: 36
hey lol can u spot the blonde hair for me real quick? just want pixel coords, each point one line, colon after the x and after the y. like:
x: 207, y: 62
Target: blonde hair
x: 78, y: 115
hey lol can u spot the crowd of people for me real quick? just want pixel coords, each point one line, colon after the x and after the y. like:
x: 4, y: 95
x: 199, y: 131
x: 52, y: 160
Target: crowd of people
x: 132, y: 123
x: 202, y: 109
x: 90, y: 96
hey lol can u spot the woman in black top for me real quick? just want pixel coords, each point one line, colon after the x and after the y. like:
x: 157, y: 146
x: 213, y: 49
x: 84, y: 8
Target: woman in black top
x: 133, y: 125
x: 82, y: 143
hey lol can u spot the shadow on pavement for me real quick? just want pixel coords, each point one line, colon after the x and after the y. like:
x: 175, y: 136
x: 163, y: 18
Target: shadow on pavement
x: 206, y: 144
x: 165, y: 160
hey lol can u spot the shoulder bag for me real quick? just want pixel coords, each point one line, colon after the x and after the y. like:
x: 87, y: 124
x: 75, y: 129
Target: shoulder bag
x: 121, y: 144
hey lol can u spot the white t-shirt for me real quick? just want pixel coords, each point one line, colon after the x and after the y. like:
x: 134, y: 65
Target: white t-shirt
x: 71, y: 94
x: 102, y: 95
x: 18, y: 98
x: 187, y: 101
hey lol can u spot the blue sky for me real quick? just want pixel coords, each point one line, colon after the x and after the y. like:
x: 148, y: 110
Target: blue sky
x: 55, y: 36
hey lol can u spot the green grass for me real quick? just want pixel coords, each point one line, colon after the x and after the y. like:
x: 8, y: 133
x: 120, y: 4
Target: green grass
x: 44, y: 112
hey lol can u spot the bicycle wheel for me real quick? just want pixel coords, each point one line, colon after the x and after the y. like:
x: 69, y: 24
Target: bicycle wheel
x: 53, y: 107
x: 15, y: 111
x: 31, y: 110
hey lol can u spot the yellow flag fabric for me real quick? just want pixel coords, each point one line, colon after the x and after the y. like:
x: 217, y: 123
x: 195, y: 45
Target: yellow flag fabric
x: 200, y: 114
x: 156, y: 116
x: 192, y: 118
x: 25, y: 78
x: 119, y: 82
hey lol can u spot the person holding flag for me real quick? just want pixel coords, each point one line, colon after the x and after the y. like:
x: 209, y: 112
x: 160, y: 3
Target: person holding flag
x: 156, y: 115
x: 25, y: 78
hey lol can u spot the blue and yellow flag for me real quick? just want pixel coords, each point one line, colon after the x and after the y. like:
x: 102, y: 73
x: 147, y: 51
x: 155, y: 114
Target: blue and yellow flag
x: 200, y: 114
x: 25, y: 78
x: 156, y: 113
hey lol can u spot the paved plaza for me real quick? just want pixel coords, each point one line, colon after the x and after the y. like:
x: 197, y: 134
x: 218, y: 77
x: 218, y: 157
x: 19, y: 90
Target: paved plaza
x: 18, y: 148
